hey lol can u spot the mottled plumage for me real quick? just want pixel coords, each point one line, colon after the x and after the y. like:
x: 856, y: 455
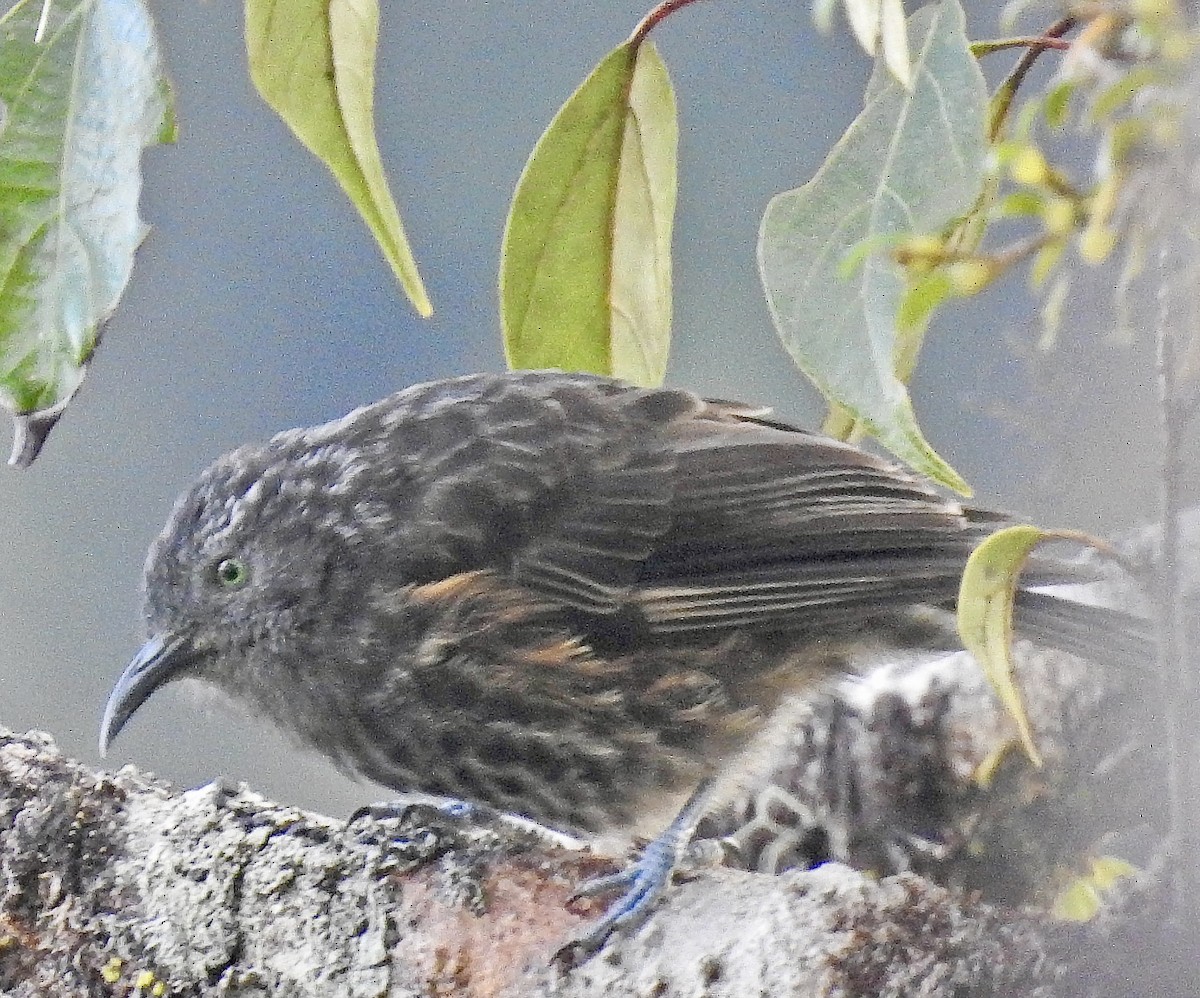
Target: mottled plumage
x: 555, y: 594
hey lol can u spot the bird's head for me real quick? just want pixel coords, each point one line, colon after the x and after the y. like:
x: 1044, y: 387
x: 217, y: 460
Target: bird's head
x: 266, y: 546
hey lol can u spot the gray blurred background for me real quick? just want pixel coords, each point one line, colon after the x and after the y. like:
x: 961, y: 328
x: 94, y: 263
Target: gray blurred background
x: 259, y: 302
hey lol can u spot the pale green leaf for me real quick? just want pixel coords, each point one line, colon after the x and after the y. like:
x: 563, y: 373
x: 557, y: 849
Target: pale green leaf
x: 1054, y: 306
x: 893, y: 36
x: 864, y: 17
x: 585, y: 273
x: 313, y: 62
x: 877, y: 25
x: 79, y: 109
x: 911, y: 162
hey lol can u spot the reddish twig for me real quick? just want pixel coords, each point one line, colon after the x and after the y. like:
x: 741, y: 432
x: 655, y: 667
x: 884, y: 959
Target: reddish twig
x: 651, y: 20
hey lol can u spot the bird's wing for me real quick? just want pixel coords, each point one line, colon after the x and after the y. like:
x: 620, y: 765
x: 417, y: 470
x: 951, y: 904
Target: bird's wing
x: 695, y: 515
x: 773, y: 525
x: 562, y: 482
x: 656, y: 508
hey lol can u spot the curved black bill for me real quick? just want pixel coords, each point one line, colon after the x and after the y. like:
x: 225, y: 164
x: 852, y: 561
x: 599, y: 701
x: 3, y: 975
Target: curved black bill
x: 161, y: 659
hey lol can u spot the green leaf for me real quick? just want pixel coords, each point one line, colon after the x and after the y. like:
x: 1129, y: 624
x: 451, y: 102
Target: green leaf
x: 1023, y: 204
x: 985, y: 613
x: 79, y: 109
x: 1057, y: 103
x: 585, y: 272
x: 893, y: 41
x: 909, y: 164
x: 1082, y: 898
x: 313, y: 62
x: 877, y: 25
x: 985, y: 610
x: 920, y: 300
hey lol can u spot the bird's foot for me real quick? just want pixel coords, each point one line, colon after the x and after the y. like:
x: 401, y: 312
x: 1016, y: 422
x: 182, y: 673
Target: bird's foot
x: 642, y: 883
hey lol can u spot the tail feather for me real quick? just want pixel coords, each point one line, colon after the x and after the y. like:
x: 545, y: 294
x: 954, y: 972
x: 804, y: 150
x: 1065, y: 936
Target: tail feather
x: 1103, y: 635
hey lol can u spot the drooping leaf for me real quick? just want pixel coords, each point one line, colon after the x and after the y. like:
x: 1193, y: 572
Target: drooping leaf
x: 985, y: 610
x: 585, y: 272
x: 911, y: 162
x: 79, y: 108
x: 985, y: 616
x: 878, y: 27
x: 864, y: 17
x: 893, y: 41
x: 313, y: 62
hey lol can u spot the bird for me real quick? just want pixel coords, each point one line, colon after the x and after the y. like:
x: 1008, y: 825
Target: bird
x: 557, y: 595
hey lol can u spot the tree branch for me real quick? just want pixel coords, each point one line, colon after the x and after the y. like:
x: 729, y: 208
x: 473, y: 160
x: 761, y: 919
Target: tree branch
x: 111, y: 882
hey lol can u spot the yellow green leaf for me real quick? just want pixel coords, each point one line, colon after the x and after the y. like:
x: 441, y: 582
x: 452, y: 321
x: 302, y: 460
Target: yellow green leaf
x: 1045, y: 262
x: 985, y: 614
x: 918, y: 304
x: 1108, y: 871
x: 1077, y: 902
x: 1082, y: 899
x: 585, y: 272
x: 985, y: 611
x: 313, y: 62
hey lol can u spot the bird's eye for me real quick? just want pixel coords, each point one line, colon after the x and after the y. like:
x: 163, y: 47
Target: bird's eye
x: 232, y: 573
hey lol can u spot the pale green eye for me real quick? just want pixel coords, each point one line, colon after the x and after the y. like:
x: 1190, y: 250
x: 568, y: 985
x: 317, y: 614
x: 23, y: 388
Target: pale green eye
x: 232, y: 573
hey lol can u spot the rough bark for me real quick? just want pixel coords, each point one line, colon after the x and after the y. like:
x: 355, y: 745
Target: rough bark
x: 118, y: 885
x: 112, y: 881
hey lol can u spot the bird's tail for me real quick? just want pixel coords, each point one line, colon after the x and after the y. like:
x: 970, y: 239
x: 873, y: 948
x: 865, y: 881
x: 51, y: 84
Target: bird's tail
x: 1107, y: 636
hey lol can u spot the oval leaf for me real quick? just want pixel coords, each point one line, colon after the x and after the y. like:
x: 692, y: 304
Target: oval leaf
x: 909, y: 164
x: 79, y: 109
x: 585, y: 273
x: 313, y: 62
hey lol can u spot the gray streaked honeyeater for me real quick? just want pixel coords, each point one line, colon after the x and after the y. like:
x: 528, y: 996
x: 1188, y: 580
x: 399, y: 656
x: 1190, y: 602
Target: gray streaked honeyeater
x: 555, y: 594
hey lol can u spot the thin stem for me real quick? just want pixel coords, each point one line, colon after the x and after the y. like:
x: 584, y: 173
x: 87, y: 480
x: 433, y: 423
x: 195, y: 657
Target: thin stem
x: 1039, y: 42
x: 1022, y: 250
x: 1008, y: 89
x: 651, y: 20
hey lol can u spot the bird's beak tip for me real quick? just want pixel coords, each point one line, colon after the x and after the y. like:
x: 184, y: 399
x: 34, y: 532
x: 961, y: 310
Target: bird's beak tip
x: 160, y: 659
